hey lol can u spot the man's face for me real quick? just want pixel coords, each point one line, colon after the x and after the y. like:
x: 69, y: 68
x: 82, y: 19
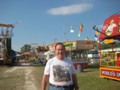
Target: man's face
x: 60, y: 52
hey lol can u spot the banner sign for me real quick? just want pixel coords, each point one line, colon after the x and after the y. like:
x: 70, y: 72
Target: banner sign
x: 85, y: 45
x: 70, y: 45
x: 108, y: 41
x: 75, y: 45
x: 110, y: 73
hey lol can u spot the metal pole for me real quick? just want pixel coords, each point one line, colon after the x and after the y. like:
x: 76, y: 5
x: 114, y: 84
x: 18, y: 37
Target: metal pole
x: 64, y: 33
x: 71, y: 52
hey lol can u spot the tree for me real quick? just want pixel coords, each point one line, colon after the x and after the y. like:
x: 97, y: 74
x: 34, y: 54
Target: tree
x: 26, y: 48
x: 117, y: 44
x: 107, y: 46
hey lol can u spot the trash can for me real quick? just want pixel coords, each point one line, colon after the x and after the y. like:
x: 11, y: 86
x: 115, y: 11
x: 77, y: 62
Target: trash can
x: 75, y: 65
x: 79, y: 68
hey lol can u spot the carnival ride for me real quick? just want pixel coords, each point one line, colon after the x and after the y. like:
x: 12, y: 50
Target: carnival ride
x: 110, y: 60
x: 5, y: 43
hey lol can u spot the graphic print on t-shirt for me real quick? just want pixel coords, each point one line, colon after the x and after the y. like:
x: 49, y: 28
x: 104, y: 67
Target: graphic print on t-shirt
x: 61, y: 74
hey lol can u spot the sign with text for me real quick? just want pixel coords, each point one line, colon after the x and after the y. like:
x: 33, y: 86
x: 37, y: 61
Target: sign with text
x: 108, y: 41
x: 110, y: 73
x: 85, y: 45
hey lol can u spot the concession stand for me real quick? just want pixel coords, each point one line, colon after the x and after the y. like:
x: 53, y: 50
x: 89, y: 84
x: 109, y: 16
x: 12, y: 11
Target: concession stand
x: 77, y: 51
x: 110, y: 60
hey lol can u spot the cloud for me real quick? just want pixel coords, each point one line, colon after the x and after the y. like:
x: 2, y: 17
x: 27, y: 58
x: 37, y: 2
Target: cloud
x: 71, y: 9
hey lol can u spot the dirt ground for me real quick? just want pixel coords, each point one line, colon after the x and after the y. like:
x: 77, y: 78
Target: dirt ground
x: 22, y: 77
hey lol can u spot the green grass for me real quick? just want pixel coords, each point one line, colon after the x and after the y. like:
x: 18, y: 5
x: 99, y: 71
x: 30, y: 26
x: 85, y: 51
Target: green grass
x: 87, y: 80
x: 91, y: 80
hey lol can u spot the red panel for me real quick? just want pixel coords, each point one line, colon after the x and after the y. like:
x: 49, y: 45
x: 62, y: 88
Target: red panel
x: 84, y: 65
x: 118, y: 59
x: 118, y: 63
x: 75, y: 65
x: 110, y: 73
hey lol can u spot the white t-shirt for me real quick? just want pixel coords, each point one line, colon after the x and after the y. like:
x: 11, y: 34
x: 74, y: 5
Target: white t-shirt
x: 60, y: 71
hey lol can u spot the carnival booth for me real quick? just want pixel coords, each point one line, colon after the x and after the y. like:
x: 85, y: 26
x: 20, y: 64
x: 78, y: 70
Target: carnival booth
x: 110, y: 60
x: 77, y: 52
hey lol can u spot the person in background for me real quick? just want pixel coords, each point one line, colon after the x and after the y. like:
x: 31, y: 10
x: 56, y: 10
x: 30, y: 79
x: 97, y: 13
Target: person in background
x: 13, y: 56
x: 59, y: 72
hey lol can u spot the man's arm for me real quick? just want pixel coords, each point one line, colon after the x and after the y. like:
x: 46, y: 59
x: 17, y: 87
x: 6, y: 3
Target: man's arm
x: 75, y: 82
x: 45, y: 81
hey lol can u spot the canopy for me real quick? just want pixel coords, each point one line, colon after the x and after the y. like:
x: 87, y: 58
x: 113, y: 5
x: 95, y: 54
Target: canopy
x: 49, y: 53
x: 111, y: 28
x: 6, y: 25
x: 28, y: 54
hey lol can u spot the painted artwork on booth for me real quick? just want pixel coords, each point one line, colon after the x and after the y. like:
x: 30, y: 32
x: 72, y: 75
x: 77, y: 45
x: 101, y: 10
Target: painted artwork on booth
x: 111, y: 28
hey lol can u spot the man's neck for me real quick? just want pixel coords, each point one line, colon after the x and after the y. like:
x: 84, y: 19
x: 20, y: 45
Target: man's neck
x: 60, y: 58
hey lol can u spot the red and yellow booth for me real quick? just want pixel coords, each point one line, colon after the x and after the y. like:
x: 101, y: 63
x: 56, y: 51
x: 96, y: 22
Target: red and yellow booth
x: 110, y: 60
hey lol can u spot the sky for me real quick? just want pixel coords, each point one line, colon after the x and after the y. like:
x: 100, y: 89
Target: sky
x: 45, y: 21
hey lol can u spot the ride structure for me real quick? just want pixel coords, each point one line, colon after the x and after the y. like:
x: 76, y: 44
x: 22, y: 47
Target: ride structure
x: 5, y: 43
x: 110, y: 60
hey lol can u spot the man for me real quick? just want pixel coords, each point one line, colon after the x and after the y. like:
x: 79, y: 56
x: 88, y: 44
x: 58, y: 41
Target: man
x: 59, y: 72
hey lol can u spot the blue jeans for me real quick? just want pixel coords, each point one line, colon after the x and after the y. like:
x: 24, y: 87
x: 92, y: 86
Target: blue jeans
x: 59, y: 88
